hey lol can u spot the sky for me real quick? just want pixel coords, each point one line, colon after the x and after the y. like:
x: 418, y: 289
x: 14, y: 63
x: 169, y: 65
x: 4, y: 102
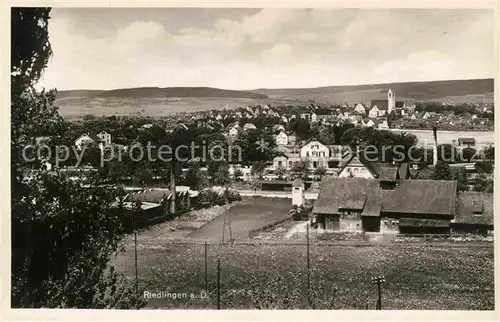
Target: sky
x: 109, y: 48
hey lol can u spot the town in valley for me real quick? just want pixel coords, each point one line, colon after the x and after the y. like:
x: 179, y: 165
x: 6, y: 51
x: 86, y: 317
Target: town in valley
x: 355, y: 197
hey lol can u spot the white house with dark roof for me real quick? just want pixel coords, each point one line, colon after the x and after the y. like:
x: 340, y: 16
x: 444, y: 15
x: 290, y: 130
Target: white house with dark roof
x: 85, y: 139
x: 360, y: 108
x: 282, y: 138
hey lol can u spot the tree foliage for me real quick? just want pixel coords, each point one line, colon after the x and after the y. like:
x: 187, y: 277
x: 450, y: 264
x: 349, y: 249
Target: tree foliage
x: 63, y: 234
x: 442, y: 171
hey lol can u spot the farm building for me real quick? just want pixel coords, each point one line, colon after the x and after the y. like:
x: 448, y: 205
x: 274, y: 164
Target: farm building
x: 474, y: 213
x: 389, y: 203
x: 406, y: 206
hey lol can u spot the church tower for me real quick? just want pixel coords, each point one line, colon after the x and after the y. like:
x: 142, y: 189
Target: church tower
x: 391, y: 101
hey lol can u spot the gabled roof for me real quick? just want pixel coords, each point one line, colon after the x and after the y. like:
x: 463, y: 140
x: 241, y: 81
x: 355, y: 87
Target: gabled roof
x: 334, y: 192
x: 415, y: 197
x: 373, y: 167
x: 92, y: 136
x: 421, y: 197
x: 298, y: 183
x: 474, y: 208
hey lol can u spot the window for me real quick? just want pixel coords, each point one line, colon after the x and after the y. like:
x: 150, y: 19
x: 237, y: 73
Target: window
x: 315, y: 164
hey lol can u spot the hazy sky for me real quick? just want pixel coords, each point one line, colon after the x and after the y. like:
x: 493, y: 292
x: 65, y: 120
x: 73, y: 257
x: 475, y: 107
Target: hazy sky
x: 274, y: 48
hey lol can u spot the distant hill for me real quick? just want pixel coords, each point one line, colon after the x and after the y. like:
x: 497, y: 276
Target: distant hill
x: 157, y: 92
x: 459, y: 90
x: 155, y: 101
x: 78, y: 93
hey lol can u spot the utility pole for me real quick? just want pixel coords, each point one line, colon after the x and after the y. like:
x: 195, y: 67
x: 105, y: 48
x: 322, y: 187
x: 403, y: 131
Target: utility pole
x: 377, y: 280
x: 308, y: 269
x: 134, y: 224
x: 218, y: 283
x: 206, y: 270
x: 172, y: 185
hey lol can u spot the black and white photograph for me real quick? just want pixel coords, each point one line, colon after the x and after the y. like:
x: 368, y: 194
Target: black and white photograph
x: 230, y: 158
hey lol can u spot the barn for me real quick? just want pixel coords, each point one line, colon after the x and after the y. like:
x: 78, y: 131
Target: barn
x: 358, y: 204
x: 474, y: 213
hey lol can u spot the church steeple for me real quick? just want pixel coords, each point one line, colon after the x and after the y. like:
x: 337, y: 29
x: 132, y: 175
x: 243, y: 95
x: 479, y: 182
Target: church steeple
x: 391, y: 101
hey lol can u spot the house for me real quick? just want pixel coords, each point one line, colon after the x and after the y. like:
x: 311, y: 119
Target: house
x: 286, y: 160
x: 429, y: 115
x: 282, y: 138
x: 316, y: 153
x: 249, y: 126
x: 105, y: 137
x: 284, y: 118
x: 466, y: 142
x: 409, y: 107
x: 218, y: 117
x: 84, y: 140
x: 377, y: 109
x: 359, y: 165
x: 234, y: 129
x: 410, y: 206
x: 360, y: 108
x: 320, y: 114
x: 383, y: 125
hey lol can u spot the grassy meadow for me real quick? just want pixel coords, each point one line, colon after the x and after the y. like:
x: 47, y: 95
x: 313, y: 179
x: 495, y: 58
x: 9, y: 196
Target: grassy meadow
x: 418, y: 277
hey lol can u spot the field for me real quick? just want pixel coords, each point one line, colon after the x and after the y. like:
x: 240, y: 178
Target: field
x: 162, y: 102
x: 274, y: 276
x: 474, y: 90
x: 73, y: 107
x: 448, y: 137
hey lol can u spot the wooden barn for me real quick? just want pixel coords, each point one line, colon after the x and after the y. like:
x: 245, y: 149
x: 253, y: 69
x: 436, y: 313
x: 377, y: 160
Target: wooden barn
x: 423, y: 206
x: 474, y: 213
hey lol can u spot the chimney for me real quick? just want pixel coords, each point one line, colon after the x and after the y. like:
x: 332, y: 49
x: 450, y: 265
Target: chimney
x: 435, y: 147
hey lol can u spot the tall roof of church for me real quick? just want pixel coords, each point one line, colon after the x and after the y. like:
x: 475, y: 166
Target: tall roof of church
x: 381, y: 104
